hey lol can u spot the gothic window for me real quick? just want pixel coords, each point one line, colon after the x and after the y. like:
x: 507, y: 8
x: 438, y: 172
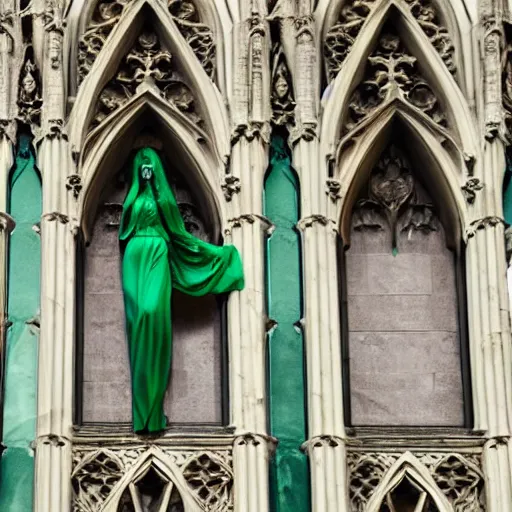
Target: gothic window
x: 194, y: 392
x: 403, y: 321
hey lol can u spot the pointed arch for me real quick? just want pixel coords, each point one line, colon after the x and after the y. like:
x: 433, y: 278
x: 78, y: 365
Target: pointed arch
x: 429, y: 62
x: 105, y: 148
x: 355, y: 163
x: 214, y: 14
x: 123, y: 35
x: 454, y: 15
x: 408, y: 466
x: 157, y: 459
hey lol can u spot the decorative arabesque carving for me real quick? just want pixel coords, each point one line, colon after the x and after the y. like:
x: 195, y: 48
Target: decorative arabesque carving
x: 392, y: 198
x: 105, y: 16
x: 459, y: 477
x: 29, y: 94
x: 391, y: 72
x: 147, y: 62
x: 96, y: 472
x: 283, y: 103
x: 199, y: 36
x: 341, y: 36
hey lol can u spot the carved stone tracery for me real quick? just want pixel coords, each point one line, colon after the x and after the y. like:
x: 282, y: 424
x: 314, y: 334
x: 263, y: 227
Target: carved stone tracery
x: 147, y: 62
x: 106, y: 15
x: 459, y: 477
x: 198, y: 35
x: 392, y: 197
x: 209, y: 479
x: 97, y: 472
x: 342, y: 35
x: 392, y: 73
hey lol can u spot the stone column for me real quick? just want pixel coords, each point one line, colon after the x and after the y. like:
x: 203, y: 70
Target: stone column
x: 488, y: 306
x: 56, y: 346
x: 247, y: 226
x: 319, y: 198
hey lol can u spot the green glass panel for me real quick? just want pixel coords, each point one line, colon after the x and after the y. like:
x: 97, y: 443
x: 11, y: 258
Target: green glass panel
x: 289, y: 469
x: 19, y: 415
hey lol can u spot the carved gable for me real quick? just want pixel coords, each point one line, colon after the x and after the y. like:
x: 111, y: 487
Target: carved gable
x: 353, y: 15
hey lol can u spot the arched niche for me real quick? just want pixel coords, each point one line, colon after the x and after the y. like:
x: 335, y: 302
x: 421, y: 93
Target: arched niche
x: 355, y: 162
x: 195, y: 393
x: 184, y: 143
x: 402, y: 278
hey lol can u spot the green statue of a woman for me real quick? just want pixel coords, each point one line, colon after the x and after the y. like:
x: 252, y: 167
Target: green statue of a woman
x: 159, y: 254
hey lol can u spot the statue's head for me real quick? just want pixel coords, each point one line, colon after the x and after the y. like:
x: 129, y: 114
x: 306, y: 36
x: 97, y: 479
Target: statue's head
x: 146, y: 170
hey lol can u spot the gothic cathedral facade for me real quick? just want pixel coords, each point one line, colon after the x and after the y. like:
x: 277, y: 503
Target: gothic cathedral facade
x: 358, y: 154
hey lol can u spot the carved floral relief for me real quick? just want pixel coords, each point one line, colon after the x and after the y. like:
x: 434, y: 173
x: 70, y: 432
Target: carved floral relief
x: 392, y: 72
x: 106, y: 15
x: 392, y: 198
x: 198, y: 35
x: 147, y: 62
x: 341, y: 37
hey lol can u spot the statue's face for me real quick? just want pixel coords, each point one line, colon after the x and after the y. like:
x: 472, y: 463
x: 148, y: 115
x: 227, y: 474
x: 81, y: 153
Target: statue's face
x: 146, y: 171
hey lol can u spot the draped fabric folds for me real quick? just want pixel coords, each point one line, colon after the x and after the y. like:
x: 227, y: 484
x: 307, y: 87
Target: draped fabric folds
x: 161, y: 255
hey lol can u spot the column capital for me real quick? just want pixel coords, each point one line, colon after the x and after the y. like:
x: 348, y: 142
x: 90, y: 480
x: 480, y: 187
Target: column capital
x: 7, y: 223
x: 322, y: 441
x: 316, y: 218
x: 490, y: 221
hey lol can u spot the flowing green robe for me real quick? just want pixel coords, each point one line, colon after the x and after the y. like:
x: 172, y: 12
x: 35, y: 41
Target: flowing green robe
x: 159, y: 255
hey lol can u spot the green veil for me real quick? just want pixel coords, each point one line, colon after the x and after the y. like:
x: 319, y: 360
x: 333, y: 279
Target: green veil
x: 197, y: 267
x: 161, y: 255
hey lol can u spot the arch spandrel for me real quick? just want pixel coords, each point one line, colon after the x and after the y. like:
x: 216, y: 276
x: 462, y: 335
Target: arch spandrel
x: 108, y: 149
x: 441, y: 174
x: 123, y: 37
x: 430, y: 64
